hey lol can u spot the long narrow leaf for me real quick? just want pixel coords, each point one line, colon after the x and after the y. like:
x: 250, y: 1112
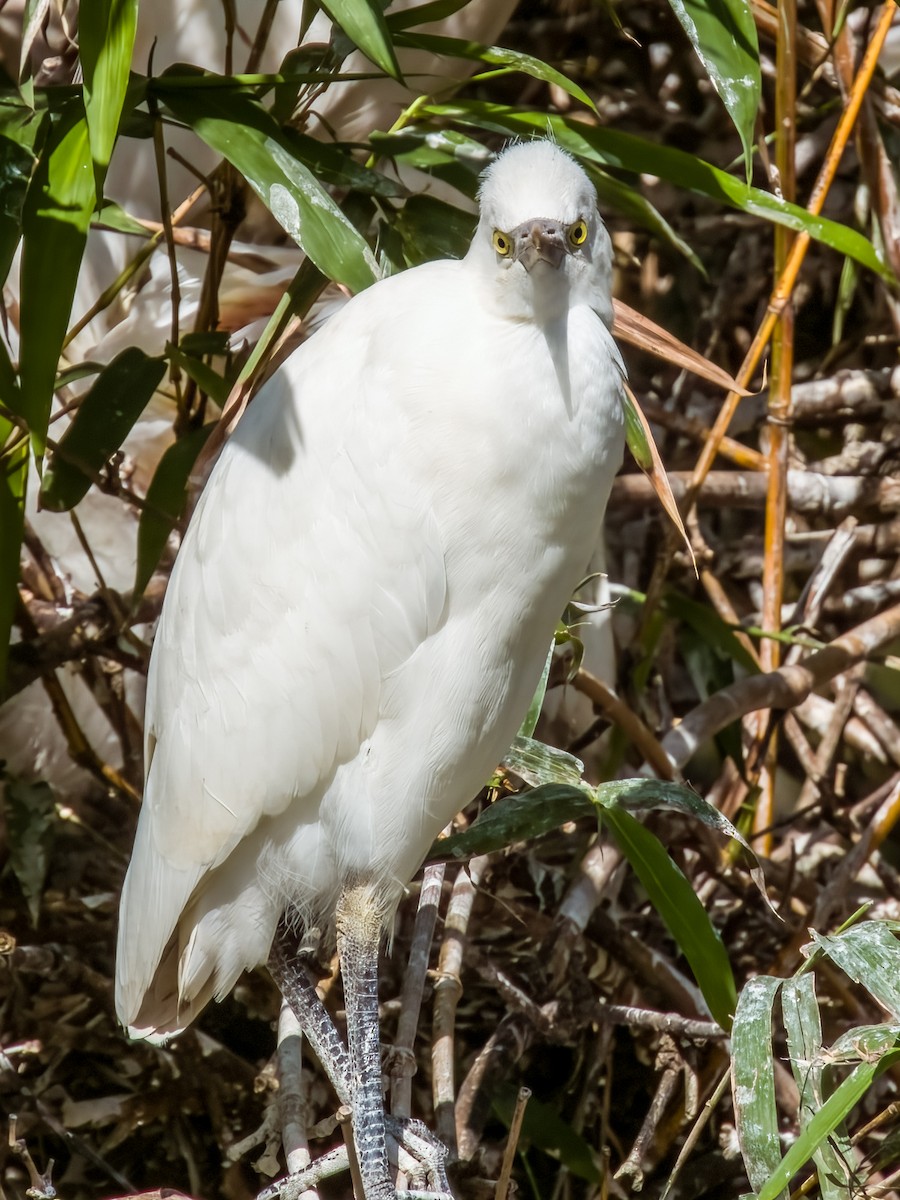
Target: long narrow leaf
x: 723, y: 34
x: 753, y: 1079
x: 103, y: 421
x: 834, y: 1111
x: 803, y: 1027
x: 244, y: 133
x: 497, y: 56
x: 106, y: 30
x: 677, y: 903
x: 56, y: 217
x: 611, y: 148
x: 870, y: 954
x: 364, y: 24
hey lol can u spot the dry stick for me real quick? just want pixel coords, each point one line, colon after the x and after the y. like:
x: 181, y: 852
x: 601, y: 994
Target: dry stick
x: 812, y: 784
x: 640, y: 735
x: 877, y: 830
x: 714, y: 588
x: 781, y: 689
x: 694, y: 1136
x: 808, y: 492
x: 345, y: 1120
x: 291, y: 1104
x: 631, y: 1168
x: 860, y: 733
x: 809, y: 607
x: 80, y: 749
x: 779, y: 411
x: 404, y: 1063
x: 447, y: 991
x: 736, y: 452
x: 878, y: 723
x: 512, y: 1143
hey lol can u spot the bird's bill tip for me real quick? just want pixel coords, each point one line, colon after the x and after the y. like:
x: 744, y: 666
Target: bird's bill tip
x: 537, y: 241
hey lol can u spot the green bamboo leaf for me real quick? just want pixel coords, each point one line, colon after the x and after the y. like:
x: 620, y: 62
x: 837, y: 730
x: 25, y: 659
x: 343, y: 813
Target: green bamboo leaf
x: 870, y: 954
x: 364, y: 24
x: 497, y: 56
x: 753, y: 1079
x: 104, y: 419
x: 612, y: 148
x: 833, y: 1112
x: 164, y: 505
x: 677, y: 903
x: 431, y: 228
x: 518, y: 818
x: 424, y: 14
x: 529, y: 724
x: 803, y: 1027
x: 243, y: 132
x: 635, y: 435
x: 723, y: 34
x: 13, y: 481
x: 111, y: 216
x: 208, y: 380
x: 539, y: 764
x: 632, y: 204
x: 707, y: 623
x: 55, y: 222
x: 106, y: 30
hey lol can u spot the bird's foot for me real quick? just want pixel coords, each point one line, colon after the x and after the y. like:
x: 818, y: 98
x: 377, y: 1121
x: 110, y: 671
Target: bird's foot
x: 419, y: 1154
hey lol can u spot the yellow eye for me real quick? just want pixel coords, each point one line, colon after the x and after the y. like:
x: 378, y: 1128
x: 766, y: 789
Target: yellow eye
x: 502, y: 244
x: 577, y: 233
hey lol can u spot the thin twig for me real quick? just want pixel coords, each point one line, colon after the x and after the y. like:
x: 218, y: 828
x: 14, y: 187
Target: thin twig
x: 512, y: 1142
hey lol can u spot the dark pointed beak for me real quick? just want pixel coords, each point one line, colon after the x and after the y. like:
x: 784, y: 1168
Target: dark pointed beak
x: 538, y: 240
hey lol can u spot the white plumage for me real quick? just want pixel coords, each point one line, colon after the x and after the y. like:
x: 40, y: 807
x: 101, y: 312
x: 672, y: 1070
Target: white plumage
x: 364, y: 599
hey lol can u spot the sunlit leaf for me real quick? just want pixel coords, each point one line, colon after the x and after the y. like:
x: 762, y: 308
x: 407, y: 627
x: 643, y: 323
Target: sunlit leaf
x: 615, y: 149
x: 833, y: 1112
x: 56, y: 217
x: 870, y: 954
x: 753, y: 1079
x: 723, y: 34
x: 106, y: 30
x: 364, y: 24
x: 243, y: 132
x: 803, y: 1027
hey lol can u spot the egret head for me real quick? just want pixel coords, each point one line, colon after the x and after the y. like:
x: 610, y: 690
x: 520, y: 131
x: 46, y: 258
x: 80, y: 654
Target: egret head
x: 539, y: 233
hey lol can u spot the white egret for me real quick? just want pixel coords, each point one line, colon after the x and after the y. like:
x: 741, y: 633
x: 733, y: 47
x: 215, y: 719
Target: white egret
x: 362, y: 606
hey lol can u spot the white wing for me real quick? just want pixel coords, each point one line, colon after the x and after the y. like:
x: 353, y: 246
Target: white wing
x: 298, y: 589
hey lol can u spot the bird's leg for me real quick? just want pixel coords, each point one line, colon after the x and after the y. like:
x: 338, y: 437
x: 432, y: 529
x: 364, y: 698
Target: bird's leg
x: 359, y: 920
x: 299, y: 990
